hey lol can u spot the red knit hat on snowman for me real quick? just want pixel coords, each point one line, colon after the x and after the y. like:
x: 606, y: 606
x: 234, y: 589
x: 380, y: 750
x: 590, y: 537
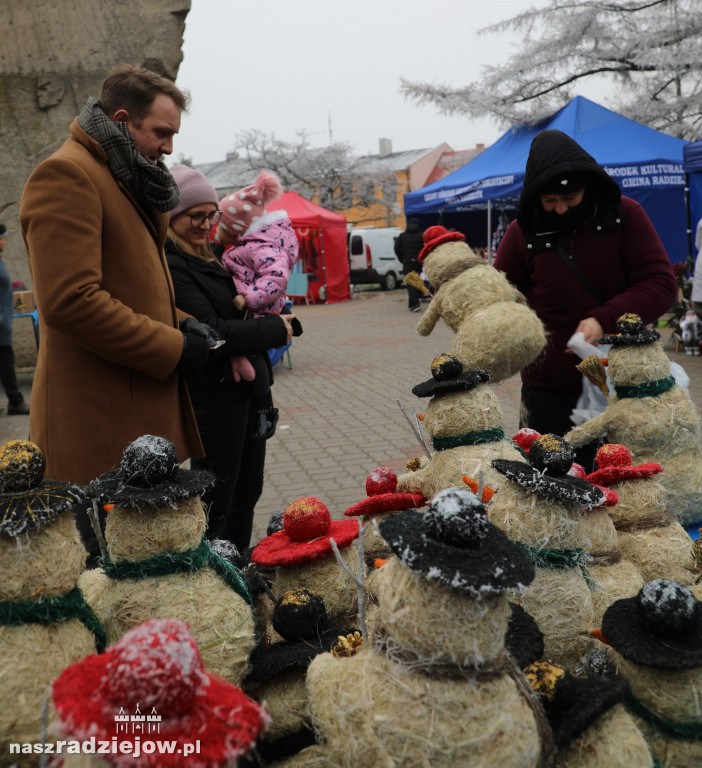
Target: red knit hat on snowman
x: 242, y: 208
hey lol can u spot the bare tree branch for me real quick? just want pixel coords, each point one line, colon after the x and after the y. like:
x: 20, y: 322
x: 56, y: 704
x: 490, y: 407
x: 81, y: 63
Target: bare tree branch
x: 652, y: 49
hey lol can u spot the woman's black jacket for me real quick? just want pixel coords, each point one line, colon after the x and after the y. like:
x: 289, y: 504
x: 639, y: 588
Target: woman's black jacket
x: 204, y: 290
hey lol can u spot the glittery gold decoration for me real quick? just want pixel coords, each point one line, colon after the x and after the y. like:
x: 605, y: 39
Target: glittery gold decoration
x: 413, y: 464
x: 543, y: 677
x: 347, y: 646
x: 26, y: 500
x: 22, y: 466
x: 697, y: 552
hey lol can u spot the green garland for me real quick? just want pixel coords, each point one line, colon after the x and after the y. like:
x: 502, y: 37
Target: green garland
x: 469, y: 438
x: 678, y: 731
x: 52, y: 610
x: 648, y: 389
x: 180, y: 562
x: 559, y: 559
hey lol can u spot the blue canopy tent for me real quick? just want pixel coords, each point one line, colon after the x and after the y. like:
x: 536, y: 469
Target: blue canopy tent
x: 647, y: 164
x: 692, y: 164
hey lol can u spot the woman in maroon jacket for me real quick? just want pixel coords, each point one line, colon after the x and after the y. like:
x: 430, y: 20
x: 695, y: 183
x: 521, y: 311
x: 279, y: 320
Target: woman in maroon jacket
x: 583, y: 255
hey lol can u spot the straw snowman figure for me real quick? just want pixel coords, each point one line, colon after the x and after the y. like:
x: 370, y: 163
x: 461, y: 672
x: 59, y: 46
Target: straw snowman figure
x: 648, y: 536
x: 303, y: 557
x: 464, y: 421
x: 653, y: 417
x: 382, y: 500
x: 614, y: 574
x: 494, y: 328
x: 156, y: 671
x: 158, y: 563
x: 656, y: 644
x: 45, y: 623
x: 591, y: 727
x: 278, y: 671
x: 545, y: 509
x: 434, y: 686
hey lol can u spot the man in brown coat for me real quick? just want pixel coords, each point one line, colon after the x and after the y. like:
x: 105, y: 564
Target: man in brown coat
x: 112, y: 345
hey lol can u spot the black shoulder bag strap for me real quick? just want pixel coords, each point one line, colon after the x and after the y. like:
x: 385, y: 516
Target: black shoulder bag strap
x: 575, y: 269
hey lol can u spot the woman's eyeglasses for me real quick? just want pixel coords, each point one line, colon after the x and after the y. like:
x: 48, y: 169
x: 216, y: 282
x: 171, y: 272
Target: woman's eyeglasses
x: 198, y: 219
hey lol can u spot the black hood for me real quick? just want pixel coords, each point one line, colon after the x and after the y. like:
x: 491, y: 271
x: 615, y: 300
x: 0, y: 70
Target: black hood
x: 413, y: 226
x: 552, y: 154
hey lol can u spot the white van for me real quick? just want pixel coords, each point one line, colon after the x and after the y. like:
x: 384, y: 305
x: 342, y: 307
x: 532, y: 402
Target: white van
x: 372, y: 257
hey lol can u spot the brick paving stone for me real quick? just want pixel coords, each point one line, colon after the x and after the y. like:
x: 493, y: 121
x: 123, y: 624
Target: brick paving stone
x: 338, y: 413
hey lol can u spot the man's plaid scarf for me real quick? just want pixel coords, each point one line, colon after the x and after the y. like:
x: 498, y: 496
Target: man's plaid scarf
x: 151, y: 185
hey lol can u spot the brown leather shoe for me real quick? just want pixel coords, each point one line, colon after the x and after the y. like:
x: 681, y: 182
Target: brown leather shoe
x: 19, y: 409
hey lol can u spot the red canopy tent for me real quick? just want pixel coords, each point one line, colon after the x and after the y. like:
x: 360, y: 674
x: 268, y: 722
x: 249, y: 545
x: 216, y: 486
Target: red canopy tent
x: 323, y: 252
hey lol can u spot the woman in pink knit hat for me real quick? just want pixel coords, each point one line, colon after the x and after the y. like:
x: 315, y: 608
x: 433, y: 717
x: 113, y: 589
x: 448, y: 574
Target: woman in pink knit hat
x: 262, y: 249
x: 224, y: 408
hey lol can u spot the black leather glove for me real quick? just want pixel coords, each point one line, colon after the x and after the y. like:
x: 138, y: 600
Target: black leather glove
x: 207, y: 332
x: 196, y: 351
x: 295, y: 323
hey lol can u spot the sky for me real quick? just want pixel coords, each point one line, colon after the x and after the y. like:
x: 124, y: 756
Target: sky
x: 330, y: 68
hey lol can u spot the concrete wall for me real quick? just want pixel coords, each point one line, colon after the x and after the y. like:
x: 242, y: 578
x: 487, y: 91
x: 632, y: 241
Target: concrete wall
x: 53, y: 56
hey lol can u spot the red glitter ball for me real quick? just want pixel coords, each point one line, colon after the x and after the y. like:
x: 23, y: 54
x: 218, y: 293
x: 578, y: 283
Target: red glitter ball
x: 306, y: 519
x: 613, y: 455
x: 525, y: 437
x: 381, y: 480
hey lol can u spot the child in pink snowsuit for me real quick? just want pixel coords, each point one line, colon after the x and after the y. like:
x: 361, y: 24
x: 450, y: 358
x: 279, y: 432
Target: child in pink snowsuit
x: 262, y: 250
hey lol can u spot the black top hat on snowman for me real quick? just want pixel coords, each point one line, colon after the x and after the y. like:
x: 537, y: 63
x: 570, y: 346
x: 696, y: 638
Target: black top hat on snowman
x: 523, y: 639
x: 546, y: 473
x: 631, y: 332
x: 27, y: 501
x: 660, y: 627
x: 150, y: 474
x: 300, y: 617
x: 448, y: 376
x: 573, y: 704
x: 455, y: 544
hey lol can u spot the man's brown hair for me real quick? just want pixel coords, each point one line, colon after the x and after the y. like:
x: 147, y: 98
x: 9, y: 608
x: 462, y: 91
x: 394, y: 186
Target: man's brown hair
x: 134, y: 89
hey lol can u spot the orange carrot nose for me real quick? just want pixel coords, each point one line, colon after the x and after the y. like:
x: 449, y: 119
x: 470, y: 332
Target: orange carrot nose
x: 597, y: 634
x: 379, y: 562
x: 108, y: 507
x: 605, y: 361
x: 488, y: 493
x: 420, y: 416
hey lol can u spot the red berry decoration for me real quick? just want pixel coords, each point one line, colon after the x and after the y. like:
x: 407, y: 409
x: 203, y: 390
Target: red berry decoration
x: 381, y: 480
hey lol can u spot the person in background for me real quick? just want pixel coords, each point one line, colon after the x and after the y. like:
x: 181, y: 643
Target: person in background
x: 16, y: 403
x: 696, y: 296
x: 224, y: 407
x: 407, y: 247
x: 261, y: 250
x: 583, y: 255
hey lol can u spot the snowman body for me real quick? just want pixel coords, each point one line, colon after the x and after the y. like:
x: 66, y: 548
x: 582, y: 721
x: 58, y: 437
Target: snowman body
x: 220, y: 619
x: 662, y: 428
x: 42, y: 564
x: 471, y: 422
x: 391, y: 704
x: 494, y: 328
